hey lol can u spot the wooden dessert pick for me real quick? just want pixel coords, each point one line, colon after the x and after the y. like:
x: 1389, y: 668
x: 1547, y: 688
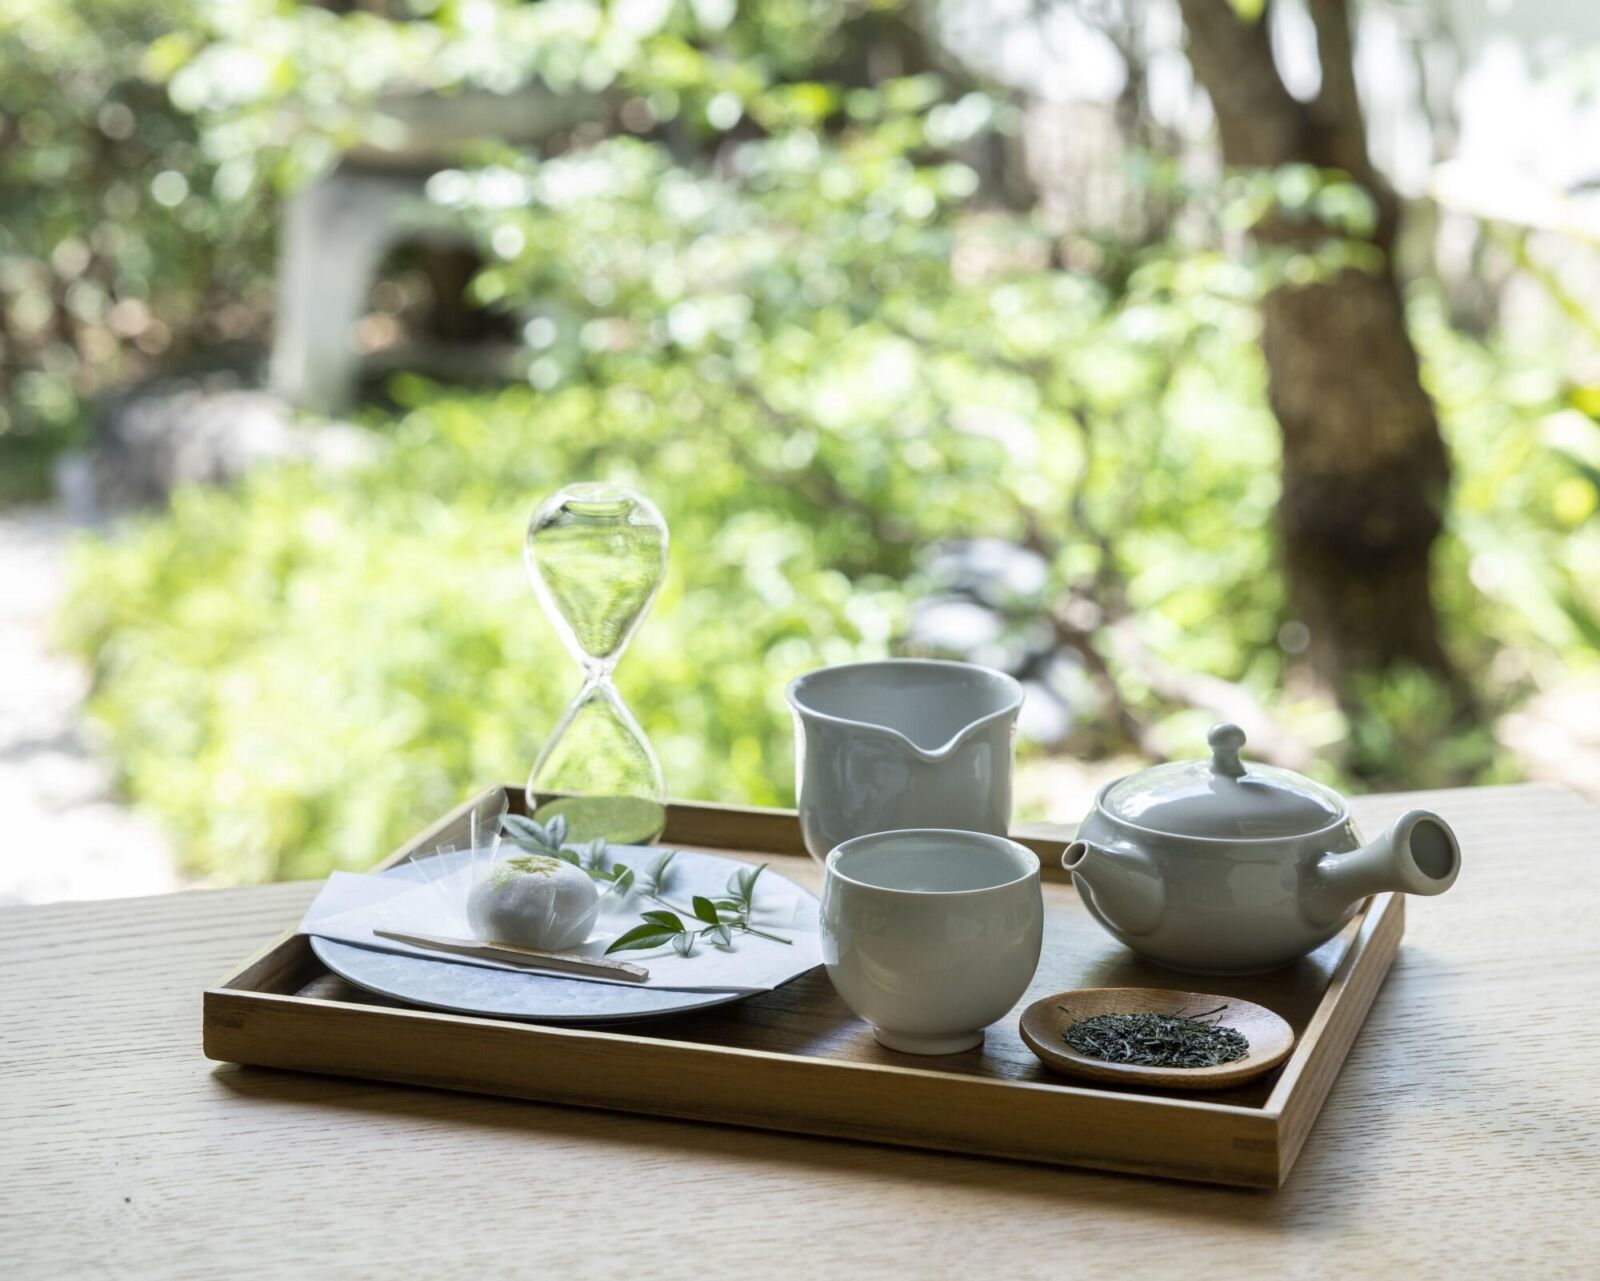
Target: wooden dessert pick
x: 561, y: 962
x: 1045, y: 1022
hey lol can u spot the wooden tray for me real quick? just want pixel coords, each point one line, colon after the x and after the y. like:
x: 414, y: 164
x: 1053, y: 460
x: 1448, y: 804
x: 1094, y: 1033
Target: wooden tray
x: 798, y: 1060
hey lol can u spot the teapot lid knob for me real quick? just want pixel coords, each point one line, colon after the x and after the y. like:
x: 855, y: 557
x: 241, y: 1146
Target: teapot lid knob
x: 1226, y: 741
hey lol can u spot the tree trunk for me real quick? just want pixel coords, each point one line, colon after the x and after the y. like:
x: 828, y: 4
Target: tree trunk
x: 1365, y: 471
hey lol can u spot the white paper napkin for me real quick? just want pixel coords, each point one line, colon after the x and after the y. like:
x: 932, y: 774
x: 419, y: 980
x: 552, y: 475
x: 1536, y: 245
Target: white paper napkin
x: 350, y: 907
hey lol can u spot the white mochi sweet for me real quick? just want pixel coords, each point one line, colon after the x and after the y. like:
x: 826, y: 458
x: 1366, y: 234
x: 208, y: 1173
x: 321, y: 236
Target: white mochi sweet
x: 533, y: 900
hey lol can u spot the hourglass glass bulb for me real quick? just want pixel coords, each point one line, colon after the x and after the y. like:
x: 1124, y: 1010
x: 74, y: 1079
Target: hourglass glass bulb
x: 596, y: 554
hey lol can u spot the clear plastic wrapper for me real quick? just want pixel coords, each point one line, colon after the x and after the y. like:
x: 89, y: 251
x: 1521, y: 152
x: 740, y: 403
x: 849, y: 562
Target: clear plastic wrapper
x: 514, y: 880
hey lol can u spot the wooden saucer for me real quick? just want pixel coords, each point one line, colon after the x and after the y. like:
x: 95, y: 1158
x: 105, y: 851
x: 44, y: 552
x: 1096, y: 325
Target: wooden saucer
x: 1044, y: 1024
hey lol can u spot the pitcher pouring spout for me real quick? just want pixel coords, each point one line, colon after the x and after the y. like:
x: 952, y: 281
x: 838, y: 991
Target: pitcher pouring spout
x: 903, y: 743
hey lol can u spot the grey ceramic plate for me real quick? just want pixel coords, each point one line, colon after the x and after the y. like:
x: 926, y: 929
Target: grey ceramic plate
x: 472, y: 989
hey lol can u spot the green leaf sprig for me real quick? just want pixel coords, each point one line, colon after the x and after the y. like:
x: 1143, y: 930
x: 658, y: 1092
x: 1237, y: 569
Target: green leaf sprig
x: 715, y: 920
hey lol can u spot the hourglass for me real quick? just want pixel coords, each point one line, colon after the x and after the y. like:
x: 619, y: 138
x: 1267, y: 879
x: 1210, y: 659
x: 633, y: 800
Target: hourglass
x: 596, y: 555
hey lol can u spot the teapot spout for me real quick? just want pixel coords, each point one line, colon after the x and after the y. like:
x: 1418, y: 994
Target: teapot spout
x: 1122, y: 884
x: 1419, y: 854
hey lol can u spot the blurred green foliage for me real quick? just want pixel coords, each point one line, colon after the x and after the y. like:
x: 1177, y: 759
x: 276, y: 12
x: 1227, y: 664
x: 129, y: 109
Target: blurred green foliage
x: 299, y: 674
x: 118, y: 245
x: 821, y: 354
x: 817, y: 366
x: 143, y: 148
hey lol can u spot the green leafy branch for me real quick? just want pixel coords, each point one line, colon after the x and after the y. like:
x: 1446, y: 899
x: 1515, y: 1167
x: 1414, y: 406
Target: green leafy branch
x: 714, y: 920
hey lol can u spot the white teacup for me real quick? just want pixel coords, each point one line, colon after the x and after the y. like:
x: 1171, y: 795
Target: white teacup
x: 931, y: 934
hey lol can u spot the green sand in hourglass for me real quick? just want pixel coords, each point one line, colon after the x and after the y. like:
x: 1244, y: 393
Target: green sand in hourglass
x: 597, y: 555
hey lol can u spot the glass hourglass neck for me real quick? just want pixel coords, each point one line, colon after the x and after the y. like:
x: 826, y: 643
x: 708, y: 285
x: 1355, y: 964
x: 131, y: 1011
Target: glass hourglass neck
x: 599, y: 770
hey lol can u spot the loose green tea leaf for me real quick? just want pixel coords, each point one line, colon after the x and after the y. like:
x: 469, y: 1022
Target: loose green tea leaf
x: 1158, y: 1040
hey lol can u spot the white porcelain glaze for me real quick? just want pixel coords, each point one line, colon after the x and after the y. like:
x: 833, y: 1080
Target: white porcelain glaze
x: 1216, y: 867
x: 931, y: 935
x: 902, y: 743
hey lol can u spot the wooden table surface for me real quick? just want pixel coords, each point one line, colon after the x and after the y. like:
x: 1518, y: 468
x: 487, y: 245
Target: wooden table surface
x: 1462, y: 1138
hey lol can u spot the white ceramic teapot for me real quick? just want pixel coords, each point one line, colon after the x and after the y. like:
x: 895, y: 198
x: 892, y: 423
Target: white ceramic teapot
x: 1219, y: 868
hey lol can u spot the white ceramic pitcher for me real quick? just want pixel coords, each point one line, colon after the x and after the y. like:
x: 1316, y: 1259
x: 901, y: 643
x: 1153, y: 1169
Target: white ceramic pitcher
x: 902, y: 743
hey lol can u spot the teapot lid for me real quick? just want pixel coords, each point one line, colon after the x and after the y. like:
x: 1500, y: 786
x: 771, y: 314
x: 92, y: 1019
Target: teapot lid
x: 1222, y: 798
